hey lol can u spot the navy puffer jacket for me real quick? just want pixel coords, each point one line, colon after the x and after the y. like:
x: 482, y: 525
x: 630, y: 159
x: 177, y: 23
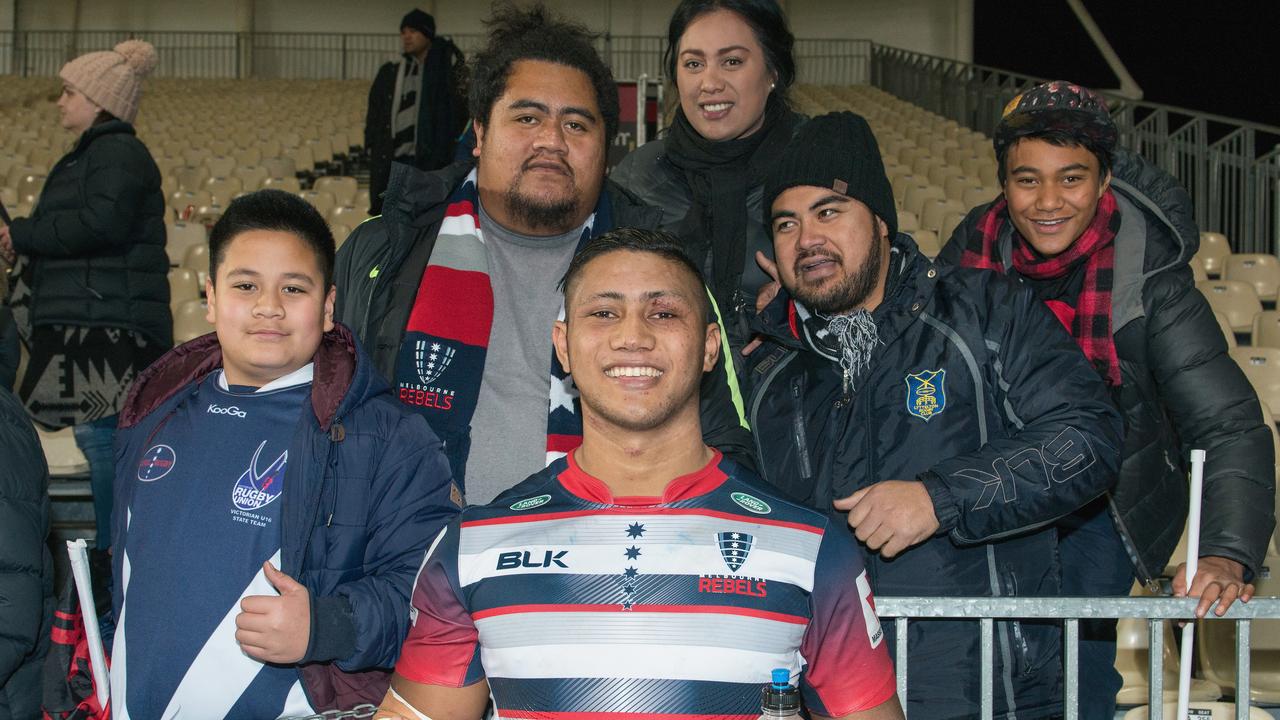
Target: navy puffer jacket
x: 371, y: 492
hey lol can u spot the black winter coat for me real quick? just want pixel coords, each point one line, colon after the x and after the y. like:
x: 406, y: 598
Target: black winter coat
x: 96, y: 238
x: 1013, y: 430
x: 1180, y: 390
x: 379, y: 270
x: 26, y: 568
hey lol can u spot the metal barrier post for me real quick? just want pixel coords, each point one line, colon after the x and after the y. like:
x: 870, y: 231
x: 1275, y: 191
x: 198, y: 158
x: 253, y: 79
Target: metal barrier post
x: 1071, y: 673
x: 988, y: 668
x: 1242, y: 669
x: 642, y: 91
x: 900, y: 662
x: 1155, y: 663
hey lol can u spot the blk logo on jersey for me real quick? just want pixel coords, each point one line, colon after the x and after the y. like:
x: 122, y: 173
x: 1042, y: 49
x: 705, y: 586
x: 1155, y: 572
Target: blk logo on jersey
x: 517, y: 559
x: 254, y: 489
x: 156, y: 462
x: 734, y: 547
x: 927, y: 393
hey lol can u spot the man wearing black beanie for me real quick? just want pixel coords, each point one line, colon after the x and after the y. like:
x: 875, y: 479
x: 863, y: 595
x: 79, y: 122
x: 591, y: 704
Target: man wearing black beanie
x: 416, y: 111
x: 945, y: 411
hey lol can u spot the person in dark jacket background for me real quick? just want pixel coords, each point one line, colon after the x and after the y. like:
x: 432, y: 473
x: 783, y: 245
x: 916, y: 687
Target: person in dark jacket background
x: 453, y: 288
x: 275, y: 500
x: 26, y: 567
x: 1103, y: 239
x: 732, y: 63
x: 415, y: 113
x: 91, y: 296
x: 944, y: 410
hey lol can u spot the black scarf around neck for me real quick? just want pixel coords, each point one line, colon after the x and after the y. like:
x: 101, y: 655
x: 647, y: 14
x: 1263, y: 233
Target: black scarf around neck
x: 719, y: 174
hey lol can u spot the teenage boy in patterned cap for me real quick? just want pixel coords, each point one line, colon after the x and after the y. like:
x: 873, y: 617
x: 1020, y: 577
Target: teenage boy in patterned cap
x: 643, y: 575
x: 945, y: 411
x: 1103, y: 239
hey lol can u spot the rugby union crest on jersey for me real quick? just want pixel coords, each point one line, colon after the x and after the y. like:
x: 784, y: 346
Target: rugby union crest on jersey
x: 255, y: 490
x: 927, y: 393
x: 734, y: 548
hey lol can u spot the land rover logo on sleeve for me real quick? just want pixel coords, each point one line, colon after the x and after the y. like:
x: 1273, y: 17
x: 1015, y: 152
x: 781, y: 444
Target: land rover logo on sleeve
x: 750, y: 503
x: 431, y: 360
x: 734, y: 548
x: 927, y: 393
x: 531, y: 503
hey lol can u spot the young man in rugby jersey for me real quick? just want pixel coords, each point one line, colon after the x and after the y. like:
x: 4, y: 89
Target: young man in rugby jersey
x: 643, y: 573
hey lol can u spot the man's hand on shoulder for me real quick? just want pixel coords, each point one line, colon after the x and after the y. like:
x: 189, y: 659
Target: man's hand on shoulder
x: 276, y: 629
x: 1217, y: 578
x: 891, y: 515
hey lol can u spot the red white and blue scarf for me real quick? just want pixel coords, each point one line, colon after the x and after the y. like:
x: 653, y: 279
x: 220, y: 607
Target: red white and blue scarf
x: 442, y: 356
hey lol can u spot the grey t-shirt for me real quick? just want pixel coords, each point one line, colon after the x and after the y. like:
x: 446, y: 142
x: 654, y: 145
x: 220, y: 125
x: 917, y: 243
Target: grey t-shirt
x: 509, y: 428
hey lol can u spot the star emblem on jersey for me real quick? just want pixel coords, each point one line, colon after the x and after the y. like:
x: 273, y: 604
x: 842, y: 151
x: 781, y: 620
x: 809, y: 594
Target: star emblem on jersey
x: 630, y: 572
x: 254, y: 490
x: 633, y: 553
x: 734, y: 548
x: 431, y: 360
x: 635, y: 530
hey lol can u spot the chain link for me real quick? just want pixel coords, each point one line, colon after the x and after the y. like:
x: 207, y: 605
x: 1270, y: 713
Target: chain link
x: 359, y: 711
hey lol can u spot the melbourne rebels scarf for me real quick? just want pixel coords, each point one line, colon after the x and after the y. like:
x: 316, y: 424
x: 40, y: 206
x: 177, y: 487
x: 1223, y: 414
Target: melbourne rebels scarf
x: 441, y: 361
x: 1089, y: 321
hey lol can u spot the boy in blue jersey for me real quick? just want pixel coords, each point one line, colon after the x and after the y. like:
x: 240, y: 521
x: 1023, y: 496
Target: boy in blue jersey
x: 643, y: 574
x: 276, y: 500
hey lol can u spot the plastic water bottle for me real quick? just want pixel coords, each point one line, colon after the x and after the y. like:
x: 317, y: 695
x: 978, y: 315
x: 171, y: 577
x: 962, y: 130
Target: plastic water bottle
x: 780, y: 699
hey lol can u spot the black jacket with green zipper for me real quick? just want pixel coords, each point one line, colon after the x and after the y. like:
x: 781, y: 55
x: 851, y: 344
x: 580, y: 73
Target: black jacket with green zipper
x: 96, y: 239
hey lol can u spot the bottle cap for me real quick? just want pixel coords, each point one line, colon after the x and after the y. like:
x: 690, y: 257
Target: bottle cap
x: 781, y: 678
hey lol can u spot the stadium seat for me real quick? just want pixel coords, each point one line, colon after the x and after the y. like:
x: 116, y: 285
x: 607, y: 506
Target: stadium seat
x: 29, y: 187
x: 935, y: 211
x: 348, y: 215
x: 927, y: 241
x: 207, y: 215
x: 181, y: 236
x: 916, y: 195
x: 321, y: 201
x: 342, y: 188
x: 949, y: 225
x: 62, y: 453
x: 8, y: 196
x: 362, y: 198
x: 281, y: 167
x: 340, y: 233
x: 247, y: 156
x: 1203, y: 710
x: 191, y: 177
x: 1259, y: 269
x: 189, y: 321
x: 197, y: 258
x: 908, y: 222
x: 288, y: 184
x: 1216, y: 641
x: 182, y: 286
x: 223, y: 188
x: 1132, y: 655
x: 1238, y: 301
x: 1266, y: 329
x: 975, y: 196
x: 251, y: 176
x: 1197, y: 269
x: 220, y: 165
x: 955, y: 185
x: 1262, y: 366
x: 1225, y: 327
x: 1214, y: 249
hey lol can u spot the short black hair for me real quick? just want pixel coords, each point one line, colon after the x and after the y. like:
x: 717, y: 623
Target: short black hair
x: 767, y: 22
x: 1059, y: 138
x: 654, y: 242
x: 278, y: 211
x: 536, y: 33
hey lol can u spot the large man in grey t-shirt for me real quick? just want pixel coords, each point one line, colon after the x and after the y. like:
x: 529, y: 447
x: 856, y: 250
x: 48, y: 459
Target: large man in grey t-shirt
x: 545, y: 109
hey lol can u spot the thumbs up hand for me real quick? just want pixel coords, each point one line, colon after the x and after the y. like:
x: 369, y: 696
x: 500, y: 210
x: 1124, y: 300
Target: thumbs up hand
x: 276, y: 629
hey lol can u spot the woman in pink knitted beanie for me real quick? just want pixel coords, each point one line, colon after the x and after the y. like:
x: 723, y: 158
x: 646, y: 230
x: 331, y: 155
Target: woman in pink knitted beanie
x: 91, y: 290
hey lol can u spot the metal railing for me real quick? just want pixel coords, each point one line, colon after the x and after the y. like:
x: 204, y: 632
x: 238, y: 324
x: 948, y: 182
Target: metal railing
x: 1228, y: 166
x: 986, y: 611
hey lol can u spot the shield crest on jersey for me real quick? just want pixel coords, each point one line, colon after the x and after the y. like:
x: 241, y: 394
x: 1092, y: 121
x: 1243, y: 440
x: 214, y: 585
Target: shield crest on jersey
x: 431, y: 360
x: 927, y: 393
x: 734, y: 548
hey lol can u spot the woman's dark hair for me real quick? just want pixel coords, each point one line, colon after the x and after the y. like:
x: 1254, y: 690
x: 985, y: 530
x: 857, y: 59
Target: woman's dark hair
x: 767, y: 22
x: 277, y: 211
x: 537, y: 34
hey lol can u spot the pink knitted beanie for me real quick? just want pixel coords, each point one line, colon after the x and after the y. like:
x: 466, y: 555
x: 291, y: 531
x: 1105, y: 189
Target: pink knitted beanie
x: 112, y: 79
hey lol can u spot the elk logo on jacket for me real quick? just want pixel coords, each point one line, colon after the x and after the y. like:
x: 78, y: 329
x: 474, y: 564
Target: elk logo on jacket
x: 927, y: 393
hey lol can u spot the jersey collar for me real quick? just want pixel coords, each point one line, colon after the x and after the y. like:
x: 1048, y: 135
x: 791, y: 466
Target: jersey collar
x: 700, y: 482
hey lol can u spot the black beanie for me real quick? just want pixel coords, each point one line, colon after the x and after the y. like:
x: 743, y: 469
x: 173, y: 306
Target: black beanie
x: 420, y: 21
x: 835, y: 151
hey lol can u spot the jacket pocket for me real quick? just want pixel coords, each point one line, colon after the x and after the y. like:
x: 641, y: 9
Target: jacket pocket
x: 799, y: 435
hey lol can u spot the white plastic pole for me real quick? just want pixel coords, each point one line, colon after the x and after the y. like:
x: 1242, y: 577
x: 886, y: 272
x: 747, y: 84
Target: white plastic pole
x: 88, y: 612
x: 1193, y: 554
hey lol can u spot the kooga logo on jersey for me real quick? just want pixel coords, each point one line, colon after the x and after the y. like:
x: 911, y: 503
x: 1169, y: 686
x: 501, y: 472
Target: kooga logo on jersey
x: 233, y: 410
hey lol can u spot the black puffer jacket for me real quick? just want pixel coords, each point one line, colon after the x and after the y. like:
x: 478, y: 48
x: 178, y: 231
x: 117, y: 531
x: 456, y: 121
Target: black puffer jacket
x: 26, y: 568
x: 1180, y: 390
x: 379, y: 270
x: 1021, y: 432
x: 96, y: 238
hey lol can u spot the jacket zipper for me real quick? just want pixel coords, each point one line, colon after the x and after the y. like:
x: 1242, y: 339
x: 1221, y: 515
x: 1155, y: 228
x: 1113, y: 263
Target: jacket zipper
x: 798, y: 434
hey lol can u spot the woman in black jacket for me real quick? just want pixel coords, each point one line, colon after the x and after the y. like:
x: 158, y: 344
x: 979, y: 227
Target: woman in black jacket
x: 91, y: 296
x: 732, y: 63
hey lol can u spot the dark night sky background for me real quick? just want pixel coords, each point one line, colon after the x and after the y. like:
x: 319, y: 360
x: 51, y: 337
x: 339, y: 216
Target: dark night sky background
x: 1219, y: 56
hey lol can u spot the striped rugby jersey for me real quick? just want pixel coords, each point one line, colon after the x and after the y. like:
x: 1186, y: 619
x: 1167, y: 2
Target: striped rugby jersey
x: 574, y: 603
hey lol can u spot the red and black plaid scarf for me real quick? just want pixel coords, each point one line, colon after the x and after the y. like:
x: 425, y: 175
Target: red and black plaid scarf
x: 1090, y: 319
